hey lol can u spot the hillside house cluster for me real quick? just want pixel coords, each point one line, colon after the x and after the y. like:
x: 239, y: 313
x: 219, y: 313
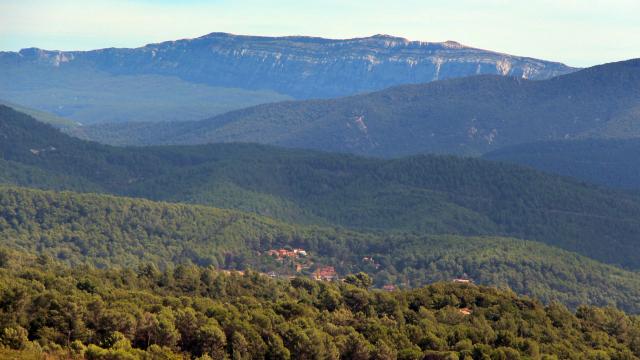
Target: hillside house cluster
x: 325, y: 273
x: 282, y: 254
x: 389, y: 287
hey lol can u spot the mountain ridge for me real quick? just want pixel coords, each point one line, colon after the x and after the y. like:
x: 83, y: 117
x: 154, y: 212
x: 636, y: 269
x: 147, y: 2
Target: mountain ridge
x: 467, y: 116
x: 382, y: 40
x: 301, y: 67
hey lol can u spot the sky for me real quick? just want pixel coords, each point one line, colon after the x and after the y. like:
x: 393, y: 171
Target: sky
x: 576, y: 32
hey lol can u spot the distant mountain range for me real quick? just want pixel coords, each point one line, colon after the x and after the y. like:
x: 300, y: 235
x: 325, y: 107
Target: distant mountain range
x: 467, y: 116
x: 195, y: 78
x: 425, y: 194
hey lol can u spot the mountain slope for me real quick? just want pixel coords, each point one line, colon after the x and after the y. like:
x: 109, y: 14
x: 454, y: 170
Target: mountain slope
x: 609, y: 162
x: 430, y: 194
x: 41, y: 115
x: 460, y: 116
x: 111, y: 232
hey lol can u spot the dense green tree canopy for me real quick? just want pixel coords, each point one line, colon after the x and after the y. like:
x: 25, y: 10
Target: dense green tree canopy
x: 608, y: 162
x: 107, y: 231
x: 427, y: 194
x: 199, y: 312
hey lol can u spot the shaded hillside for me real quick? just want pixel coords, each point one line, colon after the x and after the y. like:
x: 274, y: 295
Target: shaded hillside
x: 461, y: 116
x: 190, y: 312
x: 608, y: 162
x: 112, y: 232
x: 45, y: 117
x: 430, y: 194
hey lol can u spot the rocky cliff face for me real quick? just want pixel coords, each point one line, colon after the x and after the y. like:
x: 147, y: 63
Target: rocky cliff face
x: 302, y: 67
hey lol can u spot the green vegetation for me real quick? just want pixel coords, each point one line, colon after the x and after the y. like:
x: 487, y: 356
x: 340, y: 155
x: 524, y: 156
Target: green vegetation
x: 420, y: 195
x: 427, y: 194
x: 611, y: 162
x: 110, y: 232
x: 468, y: 116
x: 188, y: 312
x: 15, y: 174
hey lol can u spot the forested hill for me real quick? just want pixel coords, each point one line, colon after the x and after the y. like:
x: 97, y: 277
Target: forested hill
x: 609, y: 162
x: 191, y: 312
x: 111, y: 232
x: 430, y: 194
x: 469, y: 116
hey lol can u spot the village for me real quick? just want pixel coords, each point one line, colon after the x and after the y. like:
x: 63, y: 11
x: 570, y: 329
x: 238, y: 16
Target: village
x: 297, y: 261
x: 292, y: 263
x: 300, y: 261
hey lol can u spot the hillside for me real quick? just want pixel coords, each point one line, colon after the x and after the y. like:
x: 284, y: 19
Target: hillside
x: 190, y: 312
x: 45, y: 117
x: 609, y: 162
x: 111, y: 232
x: 468, y: 116
x: 428, y: 194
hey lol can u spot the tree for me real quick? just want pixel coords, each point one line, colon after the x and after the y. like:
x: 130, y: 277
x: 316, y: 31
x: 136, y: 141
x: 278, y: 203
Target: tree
x: 240, y: 348
x: 157, y: 329
x: 15, y: 337
x: 276, y: 350
x: 383, y: 351
x: 116, y: 340
x: 212, y: 340
x: 4, y: 258
x: 361, y: 280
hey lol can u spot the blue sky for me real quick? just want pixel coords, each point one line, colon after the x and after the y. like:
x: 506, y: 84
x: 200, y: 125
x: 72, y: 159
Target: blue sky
x: 577, y: 32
